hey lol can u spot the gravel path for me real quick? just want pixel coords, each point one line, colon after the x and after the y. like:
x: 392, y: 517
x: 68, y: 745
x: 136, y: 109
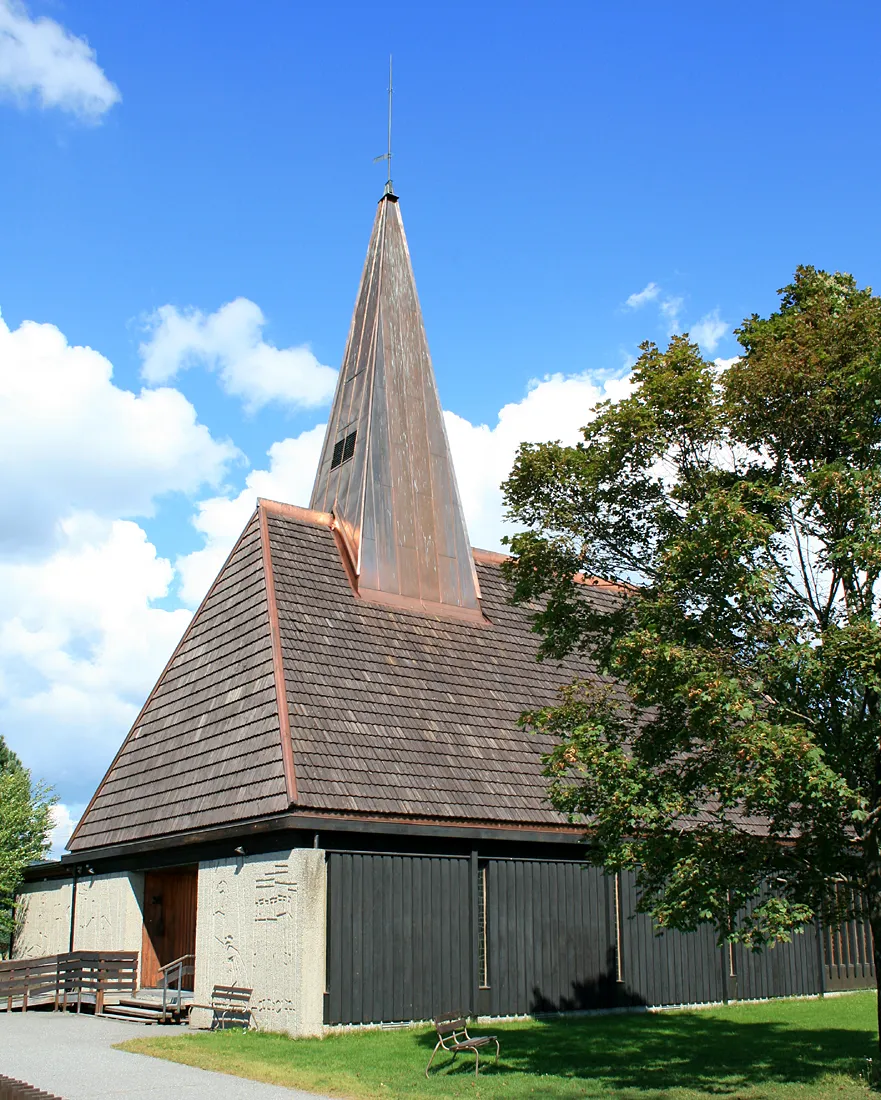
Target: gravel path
x: 71, y: 1056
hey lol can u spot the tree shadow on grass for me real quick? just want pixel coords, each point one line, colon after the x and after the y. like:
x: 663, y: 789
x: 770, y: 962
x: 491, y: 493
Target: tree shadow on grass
x: 660, y: 1051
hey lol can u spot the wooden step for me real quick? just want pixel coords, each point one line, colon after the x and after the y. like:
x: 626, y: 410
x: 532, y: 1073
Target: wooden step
x: 134, y: 1011
x: 136, y: 1002
x: 129, y: 1018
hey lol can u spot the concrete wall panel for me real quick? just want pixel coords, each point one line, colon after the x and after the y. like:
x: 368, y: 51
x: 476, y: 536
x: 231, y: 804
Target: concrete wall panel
x: 109, y: 912
x: 42, y: 919
x: 261, y: 924
x: 108, y: 915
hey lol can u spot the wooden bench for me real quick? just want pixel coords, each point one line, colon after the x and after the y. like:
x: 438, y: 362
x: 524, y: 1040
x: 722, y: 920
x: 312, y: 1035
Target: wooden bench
x: 453, y: 1037
x: 226, y: 1001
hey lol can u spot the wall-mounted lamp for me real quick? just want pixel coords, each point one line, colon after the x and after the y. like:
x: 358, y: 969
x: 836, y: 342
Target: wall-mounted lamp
x: 90, y: 870
x: 240, y: 851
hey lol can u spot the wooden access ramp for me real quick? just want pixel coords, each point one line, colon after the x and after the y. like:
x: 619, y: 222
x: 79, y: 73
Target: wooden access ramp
x: 10, y: 1089
x: 73, y: 979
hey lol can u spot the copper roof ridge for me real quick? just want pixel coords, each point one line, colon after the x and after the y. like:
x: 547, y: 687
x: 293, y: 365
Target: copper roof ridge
x: 493, y: 557
x: 370, y: 596
x: 482, y: 557
x: 294, y: 511
x: 281, y: 698
x: 598, y: 582
x: 490, y: 557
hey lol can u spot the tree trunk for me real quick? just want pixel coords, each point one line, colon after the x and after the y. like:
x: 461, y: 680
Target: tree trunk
x: 872, y: 855
x: 872, y: 851
x: 875, y: 925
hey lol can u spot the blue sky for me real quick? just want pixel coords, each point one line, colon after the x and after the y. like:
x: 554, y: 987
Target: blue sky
x: 555, y: 162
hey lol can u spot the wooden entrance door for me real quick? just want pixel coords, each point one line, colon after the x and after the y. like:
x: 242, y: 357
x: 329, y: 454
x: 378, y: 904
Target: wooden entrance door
x: 169, y: 921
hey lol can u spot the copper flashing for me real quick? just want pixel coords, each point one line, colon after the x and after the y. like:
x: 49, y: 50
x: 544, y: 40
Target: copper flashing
x: 351, y: 552
x: 396, y: 602
x: 424, y: 607
x: 284, y: 718
x: 345, y: 552
x: 134, y: 727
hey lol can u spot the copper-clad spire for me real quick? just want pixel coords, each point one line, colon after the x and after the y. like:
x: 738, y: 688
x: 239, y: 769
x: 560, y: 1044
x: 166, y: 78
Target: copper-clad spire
x: 386, y: 471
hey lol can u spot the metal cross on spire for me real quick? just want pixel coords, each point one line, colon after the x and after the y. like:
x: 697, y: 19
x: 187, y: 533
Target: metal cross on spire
x: 387, y: 156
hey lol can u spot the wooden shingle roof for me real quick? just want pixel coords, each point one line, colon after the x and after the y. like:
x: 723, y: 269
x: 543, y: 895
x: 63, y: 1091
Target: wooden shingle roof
x: 379, y: 711
x: 205, y: 748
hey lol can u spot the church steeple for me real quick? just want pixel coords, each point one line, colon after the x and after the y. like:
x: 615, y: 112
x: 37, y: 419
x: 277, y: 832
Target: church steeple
x: 386, y: 472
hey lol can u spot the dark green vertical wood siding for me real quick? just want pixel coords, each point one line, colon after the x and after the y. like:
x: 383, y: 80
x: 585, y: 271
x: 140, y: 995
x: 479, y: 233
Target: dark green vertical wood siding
x: 399, y: 937
x: 402, y: 944
x: 848, y: 953
x: 672, y: 968
x: 551, y: 937
x: 785, y: 970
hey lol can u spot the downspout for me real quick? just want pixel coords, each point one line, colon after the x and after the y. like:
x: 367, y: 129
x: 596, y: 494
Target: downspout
x: 473, y: 872
x: 15, y: 905
x: 73, y: 908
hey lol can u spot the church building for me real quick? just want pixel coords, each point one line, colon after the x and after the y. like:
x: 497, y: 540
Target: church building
x: 327, y: 799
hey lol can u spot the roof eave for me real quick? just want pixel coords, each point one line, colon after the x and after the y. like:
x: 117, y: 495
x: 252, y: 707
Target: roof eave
x: 306, y: 821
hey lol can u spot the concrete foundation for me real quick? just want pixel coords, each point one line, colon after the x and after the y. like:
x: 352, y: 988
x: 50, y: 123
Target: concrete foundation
x: 261, y: 925
x: 108, y: 915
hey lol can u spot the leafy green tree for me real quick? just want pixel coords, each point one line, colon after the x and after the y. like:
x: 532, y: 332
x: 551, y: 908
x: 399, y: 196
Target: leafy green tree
x: 739, y: 509
x: 8, y: 759
x: 25, y: 822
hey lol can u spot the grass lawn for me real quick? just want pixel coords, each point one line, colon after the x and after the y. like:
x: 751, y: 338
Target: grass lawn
x: 782, y: 1049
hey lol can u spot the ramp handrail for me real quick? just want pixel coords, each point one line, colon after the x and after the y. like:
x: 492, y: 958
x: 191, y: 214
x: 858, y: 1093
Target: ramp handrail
x: 175, y: 972
x: 70, y: 975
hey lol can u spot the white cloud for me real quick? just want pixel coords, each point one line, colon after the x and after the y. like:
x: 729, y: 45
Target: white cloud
x: 64, y: 821
x: 554, y: 408
x: 220, y: 519
x: 670, y: 309
x: 647, y: 294
x: 709, y: 330
x: 230, y: 341
x: 724, y: 364
x: 40, y: 58
x: 81, y: 643
x: 669, y: 305
x: 70, y: 440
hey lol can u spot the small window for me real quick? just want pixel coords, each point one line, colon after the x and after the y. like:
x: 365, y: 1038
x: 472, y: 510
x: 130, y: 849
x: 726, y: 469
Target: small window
x: 343, y: 451
x: 482, y: 953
